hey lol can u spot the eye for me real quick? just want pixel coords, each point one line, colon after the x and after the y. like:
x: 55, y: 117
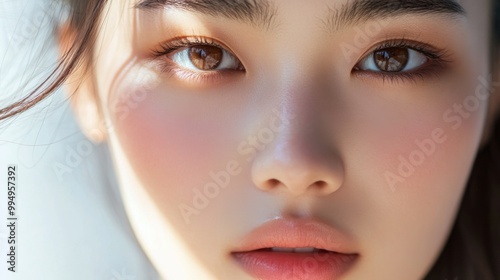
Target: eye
x: 393, y: 59
x: 205, y: 58
x: 196, y: 61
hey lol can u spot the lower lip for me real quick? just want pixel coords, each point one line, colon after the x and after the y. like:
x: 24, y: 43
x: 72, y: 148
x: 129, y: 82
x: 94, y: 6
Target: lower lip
x: 265, y: 264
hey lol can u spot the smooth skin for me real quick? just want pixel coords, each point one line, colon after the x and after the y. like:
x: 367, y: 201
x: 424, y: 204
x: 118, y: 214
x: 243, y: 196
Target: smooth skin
x: 300, y: 132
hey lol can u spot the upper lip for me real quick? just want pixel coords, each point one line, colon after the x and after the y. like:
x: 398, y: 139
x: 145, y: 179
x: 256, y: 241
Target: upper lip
x: 296, y: 233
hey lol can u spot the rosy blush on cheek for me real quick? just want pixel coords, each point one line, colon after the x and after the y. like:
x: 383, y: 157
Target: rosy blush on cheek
x: 173, y: 139
x: 166, y: 149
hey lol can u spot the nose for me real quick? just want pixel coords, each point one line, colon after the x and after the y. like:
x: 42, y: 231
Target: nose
x: 297, y: 168
x: 300, y: 159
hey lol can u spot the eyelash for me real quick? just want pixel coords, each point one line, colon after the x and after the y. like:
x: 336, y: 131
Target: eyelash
x: 437, y: 61
x: 178, y: 43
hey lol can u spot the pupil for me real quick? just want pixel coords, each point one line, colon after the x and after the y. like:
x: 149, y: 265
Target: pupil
x: 391, y: 59
x: 205, y: 57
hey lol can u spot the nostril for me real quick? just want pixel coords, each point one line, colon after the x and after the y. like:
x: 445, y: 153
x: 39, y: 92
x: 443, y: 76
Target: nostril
x: 320, y: 185
x: 273, y: 183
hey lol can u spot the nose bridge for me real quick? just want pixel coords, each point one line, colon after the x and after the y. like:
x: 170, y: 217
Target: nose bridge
x: 301, y: 93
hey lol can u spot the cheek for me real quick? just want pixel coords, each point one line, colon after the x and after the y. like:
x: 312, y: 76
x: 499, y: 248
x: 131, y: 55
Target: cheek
x: 420, y: 134
x: 178, y: 142
x: 415, y: 163
x: 173, y: 140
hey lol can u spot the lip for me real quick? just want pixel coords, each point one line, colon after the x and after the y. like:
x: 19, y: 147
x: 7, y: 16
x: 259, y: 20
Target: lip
x: 333, y: 255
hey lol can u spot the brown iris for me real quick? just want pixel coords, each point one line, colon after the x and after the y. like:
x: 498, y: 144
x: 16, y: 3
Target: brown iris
x: 205, y: 57
x: 391, y: 59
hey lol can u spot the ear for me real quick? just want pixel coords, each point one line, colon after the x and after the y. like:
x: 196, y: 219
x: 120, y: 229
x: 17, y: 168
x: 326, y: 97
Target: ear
x: 81, y: 90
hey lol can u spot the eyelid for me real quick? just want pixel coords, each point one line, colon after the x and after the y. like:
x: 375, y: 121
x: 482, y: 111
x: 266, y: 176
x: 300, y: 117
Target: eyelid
x: 177, y: 43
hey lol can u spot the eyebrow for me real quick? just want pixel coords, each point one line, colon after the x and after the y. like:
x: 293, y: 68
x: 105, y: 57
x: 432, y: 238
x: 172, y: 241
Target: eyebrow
x: 257, y: 12
x: 263, y: 13
x: 358, y: 11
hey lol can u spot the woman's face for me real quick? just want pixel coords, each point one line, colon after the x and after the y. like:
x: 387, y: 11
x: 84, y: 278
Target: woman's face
x: 243, y: 129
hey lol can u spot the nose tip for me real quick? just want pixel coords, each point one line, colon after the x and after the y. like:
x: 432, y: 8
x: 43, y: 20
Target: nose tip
x: 297, y: 171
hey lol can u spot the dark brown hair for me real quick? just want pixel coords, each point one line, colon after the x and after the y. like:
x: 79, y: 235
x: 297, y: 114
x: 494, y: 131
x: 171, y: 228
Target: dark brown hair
x: 472, y: 250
